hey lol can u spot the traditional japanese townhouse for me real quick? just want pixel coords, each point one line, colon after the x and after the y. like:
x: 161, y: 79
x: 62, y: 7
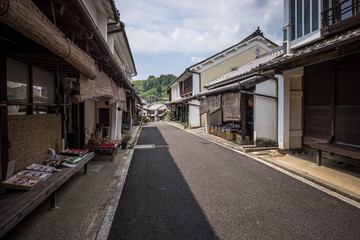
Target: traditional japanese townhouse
x: 244, y: 102
x: 108, y: 105
x: 65, y: 66
x: 315, y: 82
x: 183, y: 106
x: 318, y: 78
x: 157, y: 112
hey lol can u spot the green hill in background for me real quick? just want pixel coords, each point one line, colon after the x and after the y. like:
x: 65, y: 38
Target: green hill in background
x: 154, y: 88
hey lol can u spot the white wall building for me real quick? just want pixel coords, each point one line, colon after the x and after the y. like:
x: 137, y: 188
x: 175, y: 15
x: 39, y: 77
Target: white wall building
x: 103, y: 110
x: 196, y: 77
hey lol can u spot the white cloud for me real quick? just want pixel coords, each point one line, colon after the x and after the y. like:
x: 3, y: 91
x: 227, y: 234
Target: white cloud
x: 162, y: 26
x: 168, y: 36
x: 197, y: 59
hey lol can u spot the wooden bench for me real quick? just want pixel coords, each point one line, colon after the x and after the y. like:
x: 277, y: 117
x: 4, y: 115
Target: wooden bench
x: 17, y: 204
x: 339, y: 149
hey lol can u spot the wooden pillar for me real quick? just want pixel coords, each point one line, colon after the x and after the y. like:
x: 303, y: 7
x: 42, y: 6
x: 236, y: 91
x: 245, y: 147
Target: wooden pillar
x: 29, y: 109
x: 53, y: 201
x: 318, y: 157
x: 77, y: 126
x: 81, y: 125
x: 4, y: 116
x: 243, y: 115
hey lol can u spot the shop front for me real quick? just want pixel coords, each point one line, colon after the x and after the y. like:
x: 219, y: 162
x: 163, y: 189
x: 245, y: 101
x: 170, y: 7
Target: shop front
x: 244, y: 112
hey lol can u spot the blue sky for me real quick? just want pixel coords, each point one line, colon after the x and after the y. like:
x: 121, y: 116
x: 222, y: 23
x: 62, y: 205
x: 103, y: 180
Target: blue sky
x: 168, y: 36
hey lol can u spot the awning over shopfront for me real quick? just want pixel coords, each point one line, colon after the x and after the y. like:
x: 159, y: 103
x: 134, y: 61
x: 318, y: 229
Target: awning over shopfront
x: 181, y: 100
x: 25, y: 17
x: 102, y: 86
x: 248, y: 82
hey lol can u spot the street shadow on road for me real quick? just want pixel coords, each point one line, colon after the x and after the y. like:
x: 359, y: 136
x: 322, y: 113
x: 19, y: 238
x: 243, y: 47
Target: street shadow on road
x: 156, y: 202
x: 151, y: 135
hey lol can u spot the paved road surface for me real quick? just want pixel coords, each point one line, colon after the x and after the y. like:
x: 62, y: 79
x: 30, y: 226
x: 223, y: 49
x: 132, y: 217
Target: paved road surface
x: 189, y: 188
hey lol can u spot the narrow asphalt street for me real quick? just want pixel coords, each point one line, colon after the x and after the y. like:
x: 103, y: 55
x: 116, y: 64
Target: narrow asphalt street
x: 189, y: 188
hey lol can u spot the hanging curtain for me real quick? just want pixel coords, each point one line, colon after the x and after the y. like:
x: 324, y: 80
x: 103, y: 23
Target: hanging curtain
x: 204, y: 106
x: 231, y: 106
x: 210, y: 104
x: 122, y: 99
x: 214, y: 103
x: 119, y: 96
x: 100, y: 87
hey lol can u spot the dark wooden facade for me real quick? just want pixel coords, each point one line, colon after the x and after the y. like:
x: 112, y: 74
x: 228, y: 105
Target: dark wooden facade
x: 30, y: 52
x: 332, y: 102
x: 186, y: 87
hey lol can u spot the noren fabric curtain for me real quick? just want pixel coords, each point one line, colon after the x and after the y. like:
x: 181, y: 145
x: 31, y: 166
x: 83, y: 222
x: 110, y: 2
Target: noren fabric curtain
x: 231, y: 106
x: 211, y: 104
x: 204, y: 106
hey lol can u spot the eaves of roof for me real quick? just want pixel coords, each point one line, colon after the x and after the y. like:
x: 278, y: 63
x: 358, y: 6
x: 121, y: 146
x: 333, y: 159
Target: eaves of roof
x: 183, y: 99
x: 110, y: 7
x: 129, y: 54
x: 187, y: 73
x: 250, y: 81
x: 315, y: 48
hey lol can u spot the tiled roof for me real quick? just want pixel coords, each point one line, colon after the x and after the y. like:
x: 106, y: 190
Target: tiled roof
x: 249, y: 67
x: 182, y: 99
x: 316, y: 47
x: 157, y: 106
x: 249, y: 81
x: 257, y: 34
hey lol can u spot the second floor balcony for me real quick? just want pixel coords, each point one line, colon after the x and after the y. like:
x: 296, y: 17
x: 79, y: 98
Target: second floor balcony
x: 186, y: 87
x: 342, y: 15
x: 311, y: 20
x: 186, y: 91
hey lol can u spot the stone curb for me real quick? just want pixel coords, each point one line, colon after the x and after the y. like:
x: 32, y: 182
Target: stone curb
x: 100, y: 225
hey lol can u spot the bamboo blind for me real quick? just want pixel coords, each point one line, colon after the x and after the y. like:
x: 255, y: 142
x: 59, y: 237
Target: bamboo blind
x: 99, y: 87
x: 25, y: 17
x: 31, y: 136
x: 102, y: 86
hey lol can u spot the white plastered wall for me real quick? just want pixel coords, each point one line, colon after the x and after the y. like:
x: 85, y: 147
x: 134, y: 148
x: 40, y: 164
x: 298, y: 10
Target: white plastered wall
x: 194, y: 113
x: 283, y: 111
x: 265, y: 111
x: 98, y: 16
x: 294, y: 78
x: 102, y: 24
x: 195, y: 83
x: 116, y: 122
x: 222, y: 66
x: 110, y: 42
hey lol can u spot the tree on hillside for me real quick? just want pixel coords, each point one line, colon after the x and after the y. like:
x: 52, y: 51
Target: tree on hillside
x: 154, y: 89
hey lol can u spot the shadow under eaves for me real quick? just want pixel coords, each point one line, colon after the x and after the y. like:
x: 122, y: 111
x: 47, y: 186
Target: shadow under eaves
x: 156, y: 202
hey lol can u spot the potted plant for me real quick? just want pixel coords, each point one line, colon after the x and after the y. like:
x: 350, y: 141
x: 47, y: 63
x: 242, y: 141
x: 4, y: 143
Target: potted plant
x: 125, y: 140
